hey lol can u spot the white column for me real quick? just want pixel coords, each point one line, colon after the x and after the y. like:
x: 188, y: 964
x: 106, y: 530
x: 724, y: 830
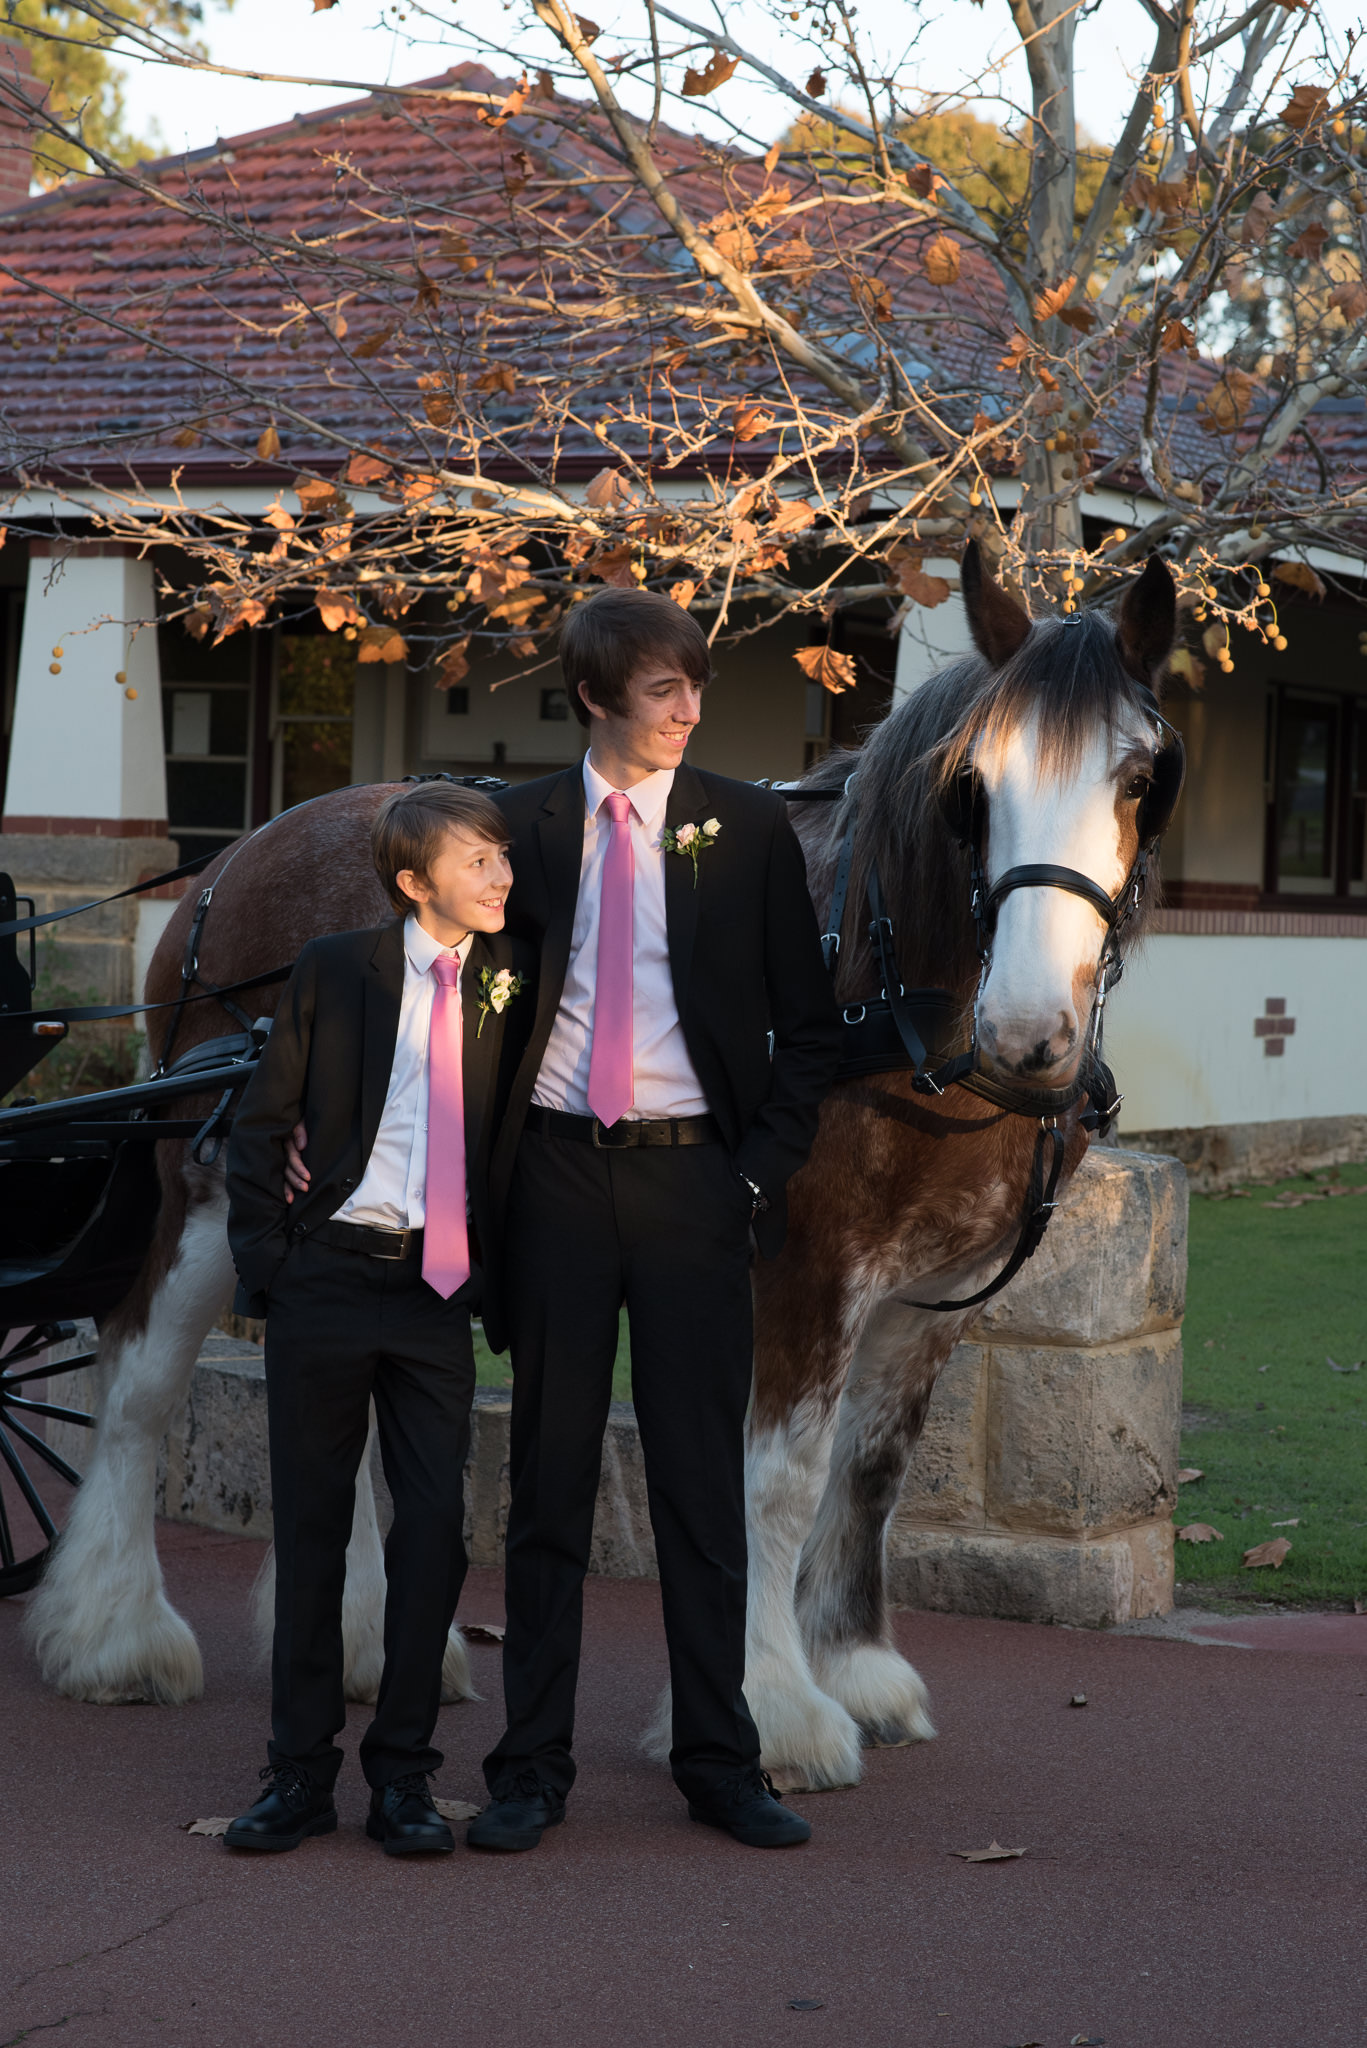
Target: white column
x: 930, y: 640
x: 86, y: 746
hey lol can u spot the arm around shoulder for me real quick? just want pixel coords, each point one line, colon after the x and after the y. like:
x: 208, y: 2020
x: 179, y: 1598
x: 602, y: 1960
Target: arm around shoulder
x: 270, y: 1108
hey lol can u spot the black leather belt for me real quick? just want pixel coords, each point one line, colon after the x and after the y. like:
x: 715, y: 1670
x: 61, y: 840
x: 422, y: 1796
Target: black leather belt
x: 370, y: 1239
x: 621, y: 1136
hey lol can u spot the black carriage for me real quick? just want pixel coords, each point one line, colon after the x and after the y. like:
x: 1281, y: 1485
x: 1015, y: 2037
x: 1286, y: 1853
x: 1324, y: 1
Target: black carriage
x: 78, y: 1202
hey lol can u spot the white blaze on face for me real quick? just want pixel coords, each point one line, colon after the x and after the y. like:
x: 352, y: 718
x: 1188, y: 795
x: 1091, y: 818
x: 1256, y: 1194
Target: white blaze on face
x: 1035, y: 1006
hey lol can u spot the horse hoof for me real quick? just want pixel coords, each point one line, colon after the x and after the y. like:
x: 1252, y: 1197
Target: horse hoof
x: 118, y: 1653
x: 879, y: 1689
x: 886, y: 1735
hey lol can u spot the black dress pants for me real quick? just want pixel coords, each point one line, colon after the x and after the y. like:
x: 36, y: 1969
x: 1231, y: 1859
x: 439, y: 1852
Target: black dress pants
x: 343, y: 1328
x: 667, y: 1231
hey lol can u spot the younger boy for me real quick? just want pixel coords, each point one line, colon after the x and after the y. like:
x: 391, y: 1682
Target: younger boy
x: 387, y: 1047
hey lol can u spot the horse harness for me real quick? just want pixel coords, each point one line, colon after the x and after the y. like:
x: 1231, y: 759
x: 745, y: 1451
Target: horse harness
x: 891, y: 1033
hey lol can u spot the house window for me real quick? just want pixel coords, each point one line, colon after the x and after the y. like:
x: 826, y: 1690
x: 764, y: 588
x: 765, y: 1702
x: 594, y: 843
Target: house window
x: 314, y: 693
x: 206, y: 709
x: 458, y: 701
x: 1319, y: 797
x: 555, y: 706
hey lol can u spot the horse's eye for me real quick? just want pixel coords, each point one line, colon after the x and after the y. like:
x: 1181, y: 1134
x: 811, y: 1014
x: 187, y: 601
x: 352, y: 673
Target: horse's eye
x: 1138, y: 787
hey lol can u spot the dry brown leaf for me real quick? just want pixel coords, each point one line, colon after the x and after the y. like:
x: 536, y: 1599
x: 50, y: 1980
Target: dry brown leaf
x: 715, y: 72
x: 922, y: 589
x: 1270, y: 1553
x: 1199, y: 1532
x: 1350, y: 300
x: 749, y: 419
x: 1177, y: 334
x: 1291, y: 1522
x: 498, y: 377
x: 682, y: 594
x: 1227, y: 401
x: 186, y: 438
x: 796, y: 255
x: 381, y: 643
x: 993, y: 1853
x: 795, y: 515
x: 515, y: 102
x: 1189, y: 1474
x: 268, y: 445
x: 589, y: 30
x: 1305, y: 106
x: 455, y: 1809
x: 1079, y: 1699
x: 314, y: 492
x: 1310, y: 241
x: 613, y: 565
x: 373, y: 343
x: 1017, y: 349
x: 872, y: 296
x: 1053, y: 299
x: 366, y: 469
x: 1300, y: 576
x: 827, y: 666
x: 1080, y: 318
x: 482, y: 1631
x: 940, y: 260
x: 1258, y: 219
x: 815, y: 87
x: 516, y: 606
x: 454, y: 665
x: 736, y: 246
x: 336, y: 610
x: 217, y: 1824
x: 609, y: 487
x: 921, y: 180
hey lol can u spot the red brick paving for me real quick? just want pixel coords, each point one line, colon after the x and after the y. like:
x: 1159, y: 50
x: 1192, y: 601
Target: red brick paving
x: 1195, y: 1872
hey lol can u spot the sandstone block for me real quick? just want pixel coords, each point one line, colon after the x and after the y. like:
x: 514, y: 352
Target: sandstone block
x: 77, y: 861
x: 947, y: 1478
x: 1083, y: 1439
x: 1091, y: 1582
x: 1113, y: 1263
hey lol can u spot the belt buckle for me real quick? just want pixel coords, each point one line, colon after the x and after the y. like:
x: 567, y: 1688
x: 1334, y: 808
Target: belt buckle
x: 599, y: 1134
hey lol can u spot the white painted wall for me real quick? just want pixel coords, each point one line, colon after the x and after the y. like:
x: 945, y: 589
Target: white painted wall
x: 82, y: 746
x: 930, y: 640
x: 1179, y: 1030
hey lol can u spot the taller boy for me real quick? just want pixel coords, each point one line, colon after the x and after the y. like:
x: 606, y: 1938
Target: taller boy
x: 684, y: 1037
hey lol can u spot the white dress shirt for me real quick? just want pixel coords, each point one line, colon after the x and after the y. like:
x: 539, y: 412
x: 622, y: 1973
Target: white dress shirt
x: 666, y: 1084
x: 392, y: 1188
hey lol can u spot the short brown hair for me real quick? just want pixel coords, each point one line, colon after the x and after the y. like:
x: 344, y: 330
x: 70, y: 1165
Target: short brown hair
x: 410, y: 826
x: 607, y: 637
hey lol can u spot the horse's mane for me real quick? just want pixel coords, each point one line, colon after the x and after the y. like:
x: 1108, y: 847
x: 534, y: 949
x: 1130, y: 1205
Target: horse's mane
x: 1068, y: 673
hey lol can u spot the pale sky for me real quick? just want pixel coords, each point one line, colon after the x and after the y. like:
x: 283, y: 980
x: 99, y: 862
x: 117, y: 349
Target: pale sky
x: 957, y: 41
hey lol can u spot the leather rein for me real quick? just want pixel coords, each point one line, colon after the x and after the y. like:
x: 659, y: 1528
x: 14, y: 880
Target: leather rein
x: 871, y: 1047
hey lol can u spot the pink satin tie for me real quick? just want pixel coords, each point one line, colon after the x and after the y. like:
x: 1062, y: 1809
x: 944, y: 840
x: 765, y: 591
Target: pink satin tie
x: 611, y: 1083
x: 446, y: 1238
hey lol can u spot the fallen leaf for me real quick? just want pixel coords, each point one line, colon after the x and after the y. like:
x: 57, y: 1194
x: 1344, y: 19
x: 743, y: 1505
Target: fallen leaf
x: 1189, y: 1474
x: 1088, y: 2041
x: 993, y: 1853
x: 215, y: 1825
x: 455, y: 1809
x: 827, y: 666
x: 1292, y: 1522
x: 1306, y: 104
x: 806, y: 2005
x: 1270, y: 1553
x: 715, y: 72
x: 1357, y: 1367
x: 482, y: 1631
x: 1079, y: 1699
x: 1199, y: 1532
x: 940, y: 260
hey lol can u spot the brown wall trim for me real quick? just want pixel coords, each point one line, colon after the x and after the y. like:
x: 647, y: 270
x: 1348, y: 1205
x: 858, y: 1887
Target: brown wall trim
x: 1184, y: 895
x: 86, y: 828
x: 1269, y: 924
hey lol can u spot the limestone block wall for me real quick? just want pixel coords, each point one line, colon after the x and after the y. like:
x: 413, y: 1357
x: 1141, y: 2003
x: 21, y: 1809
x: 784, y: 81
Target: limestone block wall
x: 1042, y: 1489
x: 1044, y: 1484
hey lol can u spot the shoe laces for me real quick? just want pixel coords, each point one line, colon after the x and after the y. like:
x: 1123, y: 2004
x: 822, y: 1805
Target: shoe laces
x: 411, y: 1781
x: 292, y: 1783
x: 526, y: 1785
x: 744, y: 1785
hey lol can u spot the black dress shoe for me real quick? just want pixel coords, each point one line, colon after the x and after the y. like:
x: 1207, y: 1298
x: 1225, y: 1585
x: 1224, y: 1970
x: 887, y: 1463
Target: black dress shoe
x: 402, y: 1816
x: 518, y: 1817
x: 291, y: 1808
x: 747, y: 1807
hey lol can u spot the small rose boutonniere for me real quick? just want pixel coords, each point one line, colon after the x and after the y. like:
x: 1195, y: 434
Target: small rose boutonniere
x: 693, y: 840
x: 496, y: 991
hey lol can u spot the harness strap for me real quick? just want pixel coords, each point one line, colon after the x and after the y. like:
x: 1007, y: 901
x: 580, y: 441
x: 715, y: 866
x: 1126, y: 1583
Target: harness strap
x: 1044, y: 875
x: 880, y: 931
x: 13, y: 925
x: 102, y: 1012
x: 840, y: 889
x: 1039, y: 1207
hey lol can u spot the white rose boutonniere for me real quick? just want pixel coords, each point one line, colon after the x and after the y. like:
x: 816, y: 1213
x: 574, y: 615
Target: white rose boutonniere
x: 692, y: 840
x: 496, y: 991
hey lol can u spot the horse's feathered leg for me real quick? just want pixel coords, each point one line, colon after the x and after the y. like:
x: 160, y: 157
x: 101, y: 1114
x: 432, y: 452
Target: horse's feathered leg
x: 100, y: 1623
x: 841, y: 1594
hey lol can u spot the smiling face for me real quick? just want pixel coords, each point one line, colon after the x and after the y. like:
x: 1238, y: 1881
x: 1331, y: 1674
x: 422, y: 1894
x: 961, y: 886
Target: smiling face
x: 663, y: 707
x: 464, y: 889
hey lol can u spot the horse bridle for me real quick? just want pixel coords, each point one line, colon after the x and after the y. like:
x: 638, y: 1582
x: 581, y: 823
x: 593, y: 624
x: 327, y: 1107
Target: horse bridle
x: 964, y: 811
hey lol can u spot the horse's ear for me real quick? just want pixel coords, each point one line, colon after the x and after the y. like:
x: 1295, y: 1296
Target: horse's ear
x: 997, y: 622
x: 1147, y: 625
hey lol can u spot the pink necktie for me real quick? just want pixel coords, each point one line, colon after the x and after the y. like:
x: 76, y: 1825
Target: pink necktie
x: 611, y: 1086
x: 446, y: 1241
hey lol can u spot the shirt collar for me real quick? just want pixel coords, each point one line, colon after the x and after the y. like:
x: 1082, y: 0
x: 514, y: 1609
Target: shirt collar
x: 422, y: 949
x: 648, y: 797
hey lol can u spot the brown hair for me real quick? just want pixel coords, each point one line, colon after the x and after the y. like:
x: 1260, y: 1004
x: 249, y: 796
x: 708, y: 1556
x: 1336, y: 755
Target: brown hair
x: 410, y: 825
x: 607, y: 638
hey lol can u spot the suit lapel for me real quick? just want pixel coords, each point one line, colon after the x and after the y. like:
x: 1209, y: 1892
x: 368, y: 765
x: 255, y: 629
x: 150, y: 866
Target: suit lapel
x: 480, y: 1047
x: 687, y: 803
x: 560, y: 837
x: 380, y: 1028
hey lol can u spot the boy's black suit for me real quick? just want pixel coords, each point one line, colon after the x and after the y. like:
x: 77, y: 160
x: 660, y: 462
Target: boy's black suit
x: 666, y: 1230
x: 343, y: 1328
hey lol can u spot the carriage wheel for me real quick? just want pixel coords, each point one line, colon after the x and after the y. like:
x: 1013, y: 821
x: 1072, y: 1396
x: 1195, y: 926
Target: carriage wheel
x: 26, y: 1458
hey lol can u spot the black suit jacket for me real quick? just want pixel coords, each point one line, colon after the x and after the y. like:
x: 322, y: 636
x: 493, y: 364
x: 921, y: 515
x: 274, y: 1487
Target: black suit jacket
x: 745, y: 955
x: 328, y: 1060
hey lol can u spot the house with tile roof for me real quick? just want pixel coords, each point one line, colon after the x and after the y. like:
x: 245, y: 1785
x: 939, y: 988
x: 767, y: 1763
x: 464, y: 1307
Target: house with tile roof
x: 1235, y: 1034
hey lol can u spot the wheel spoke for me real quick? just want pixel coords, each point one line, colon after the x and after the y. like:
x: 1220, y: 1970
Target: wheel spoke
x: 77, y: 1415
x: 6, y: 1540
x: 44, y: 1450
x: 26, y: 1487
x: 45, y: 1372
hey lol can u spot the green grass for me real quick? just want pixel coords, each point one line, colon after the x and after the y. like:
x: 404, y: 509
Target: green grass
x: 497, y: 1372
x: 1272, y: 1295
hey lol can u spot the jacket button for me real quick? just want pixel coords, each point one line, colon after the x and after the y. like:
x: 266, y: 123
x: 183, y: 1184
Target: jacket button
x: 349, y: 1182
